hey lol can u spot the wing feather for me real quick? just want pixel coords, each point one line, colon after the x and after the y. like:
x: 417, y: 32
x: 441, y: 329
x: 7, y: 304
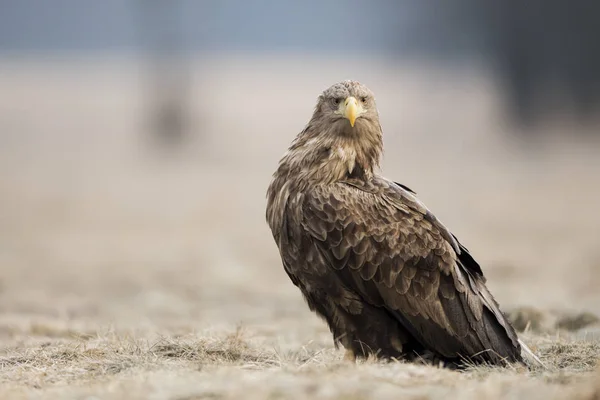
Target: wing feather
x: 387, y: 247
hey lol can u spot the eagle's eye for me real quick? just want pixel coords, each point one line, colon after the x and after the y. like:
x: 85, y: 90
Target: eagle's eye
x: 363, y: 99
x: 337, y: 101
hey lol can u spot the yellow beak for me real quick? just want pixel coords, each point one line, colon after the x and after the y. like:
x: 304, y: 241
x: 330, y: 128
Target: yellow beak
x: 350, y: 109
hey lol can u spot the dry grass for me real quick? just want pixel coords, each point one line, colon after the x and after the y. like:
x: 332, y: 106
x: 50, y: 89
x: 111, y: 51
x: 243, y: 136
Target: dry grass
x: 130, y: 276
x: 232, y: 364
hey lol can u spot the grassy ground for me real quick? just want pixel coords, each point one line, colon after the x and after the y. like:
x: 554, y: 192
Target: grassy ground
x: 241, y: 364
x: 127, y: 271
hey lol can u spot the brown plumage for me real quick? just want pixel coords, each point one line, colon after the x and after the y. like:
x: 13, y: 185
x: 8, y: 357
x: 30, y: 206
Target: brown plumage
x: 368, y: 256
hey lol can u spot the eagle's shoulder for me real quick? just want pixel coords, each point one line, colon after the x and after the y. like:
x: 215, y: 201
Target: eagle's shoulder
x: 389, y: 196
x: 378, y: 214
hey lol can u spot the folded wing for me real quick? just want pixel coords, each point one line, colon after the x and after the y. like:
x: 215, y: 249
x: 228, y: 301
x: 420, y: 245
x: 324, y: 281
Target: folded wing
x: 389, y: 249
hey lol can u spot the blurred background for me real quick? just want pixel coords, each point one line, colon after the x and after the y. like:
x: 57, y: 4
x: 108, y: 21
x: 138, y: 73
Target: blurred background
x: 138, y: 138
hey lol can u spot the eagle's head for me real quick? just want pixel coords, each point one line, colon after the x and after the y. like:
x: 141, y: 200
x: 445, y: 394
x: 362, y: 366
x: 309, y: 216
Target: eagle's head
x: 348, y: 106
x: 342, y: 140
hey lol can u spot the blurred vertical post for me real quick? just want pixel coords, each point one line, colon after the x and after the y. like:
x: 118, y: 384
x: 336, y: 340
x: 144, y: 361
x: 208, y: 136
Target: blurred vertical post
x: 169, y: 75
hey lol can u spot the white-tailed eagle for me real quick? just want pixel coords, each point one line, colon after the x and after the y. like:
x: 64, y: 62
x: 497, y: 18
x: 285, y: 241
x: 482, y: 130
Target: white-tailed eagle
x: 388, y: 277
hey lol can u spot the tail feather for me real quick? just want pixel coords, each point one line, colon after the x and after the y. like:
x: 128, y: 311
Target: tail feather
x: 530, y: 358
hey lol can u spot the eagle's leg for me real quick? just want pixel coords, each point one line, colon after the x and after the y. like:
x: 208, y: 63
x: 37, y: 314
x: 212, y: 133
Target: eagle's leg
x: 372, y: 332
x: 349, y: 355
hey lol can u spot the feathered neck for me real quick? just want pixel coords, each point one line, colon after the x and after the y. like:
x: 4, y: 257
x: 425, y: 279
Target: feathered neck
x: 326, y: 154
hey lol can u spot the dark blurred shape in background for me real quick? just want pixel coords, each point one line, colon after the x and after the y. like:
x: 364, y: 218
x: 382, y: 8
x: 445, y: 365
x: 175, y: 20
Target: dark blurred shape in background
x: 162, y: 39
x: 548, y: 55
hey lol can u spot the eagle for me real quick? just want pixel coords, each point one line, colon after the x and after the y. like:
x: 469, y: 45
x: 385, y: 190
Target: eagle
x: 388, y: 277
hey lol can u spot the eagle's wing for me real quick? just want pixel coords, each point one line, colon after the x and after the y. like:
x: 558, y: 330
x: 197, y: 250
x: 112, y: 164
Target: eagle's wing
x: 389, y: 249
